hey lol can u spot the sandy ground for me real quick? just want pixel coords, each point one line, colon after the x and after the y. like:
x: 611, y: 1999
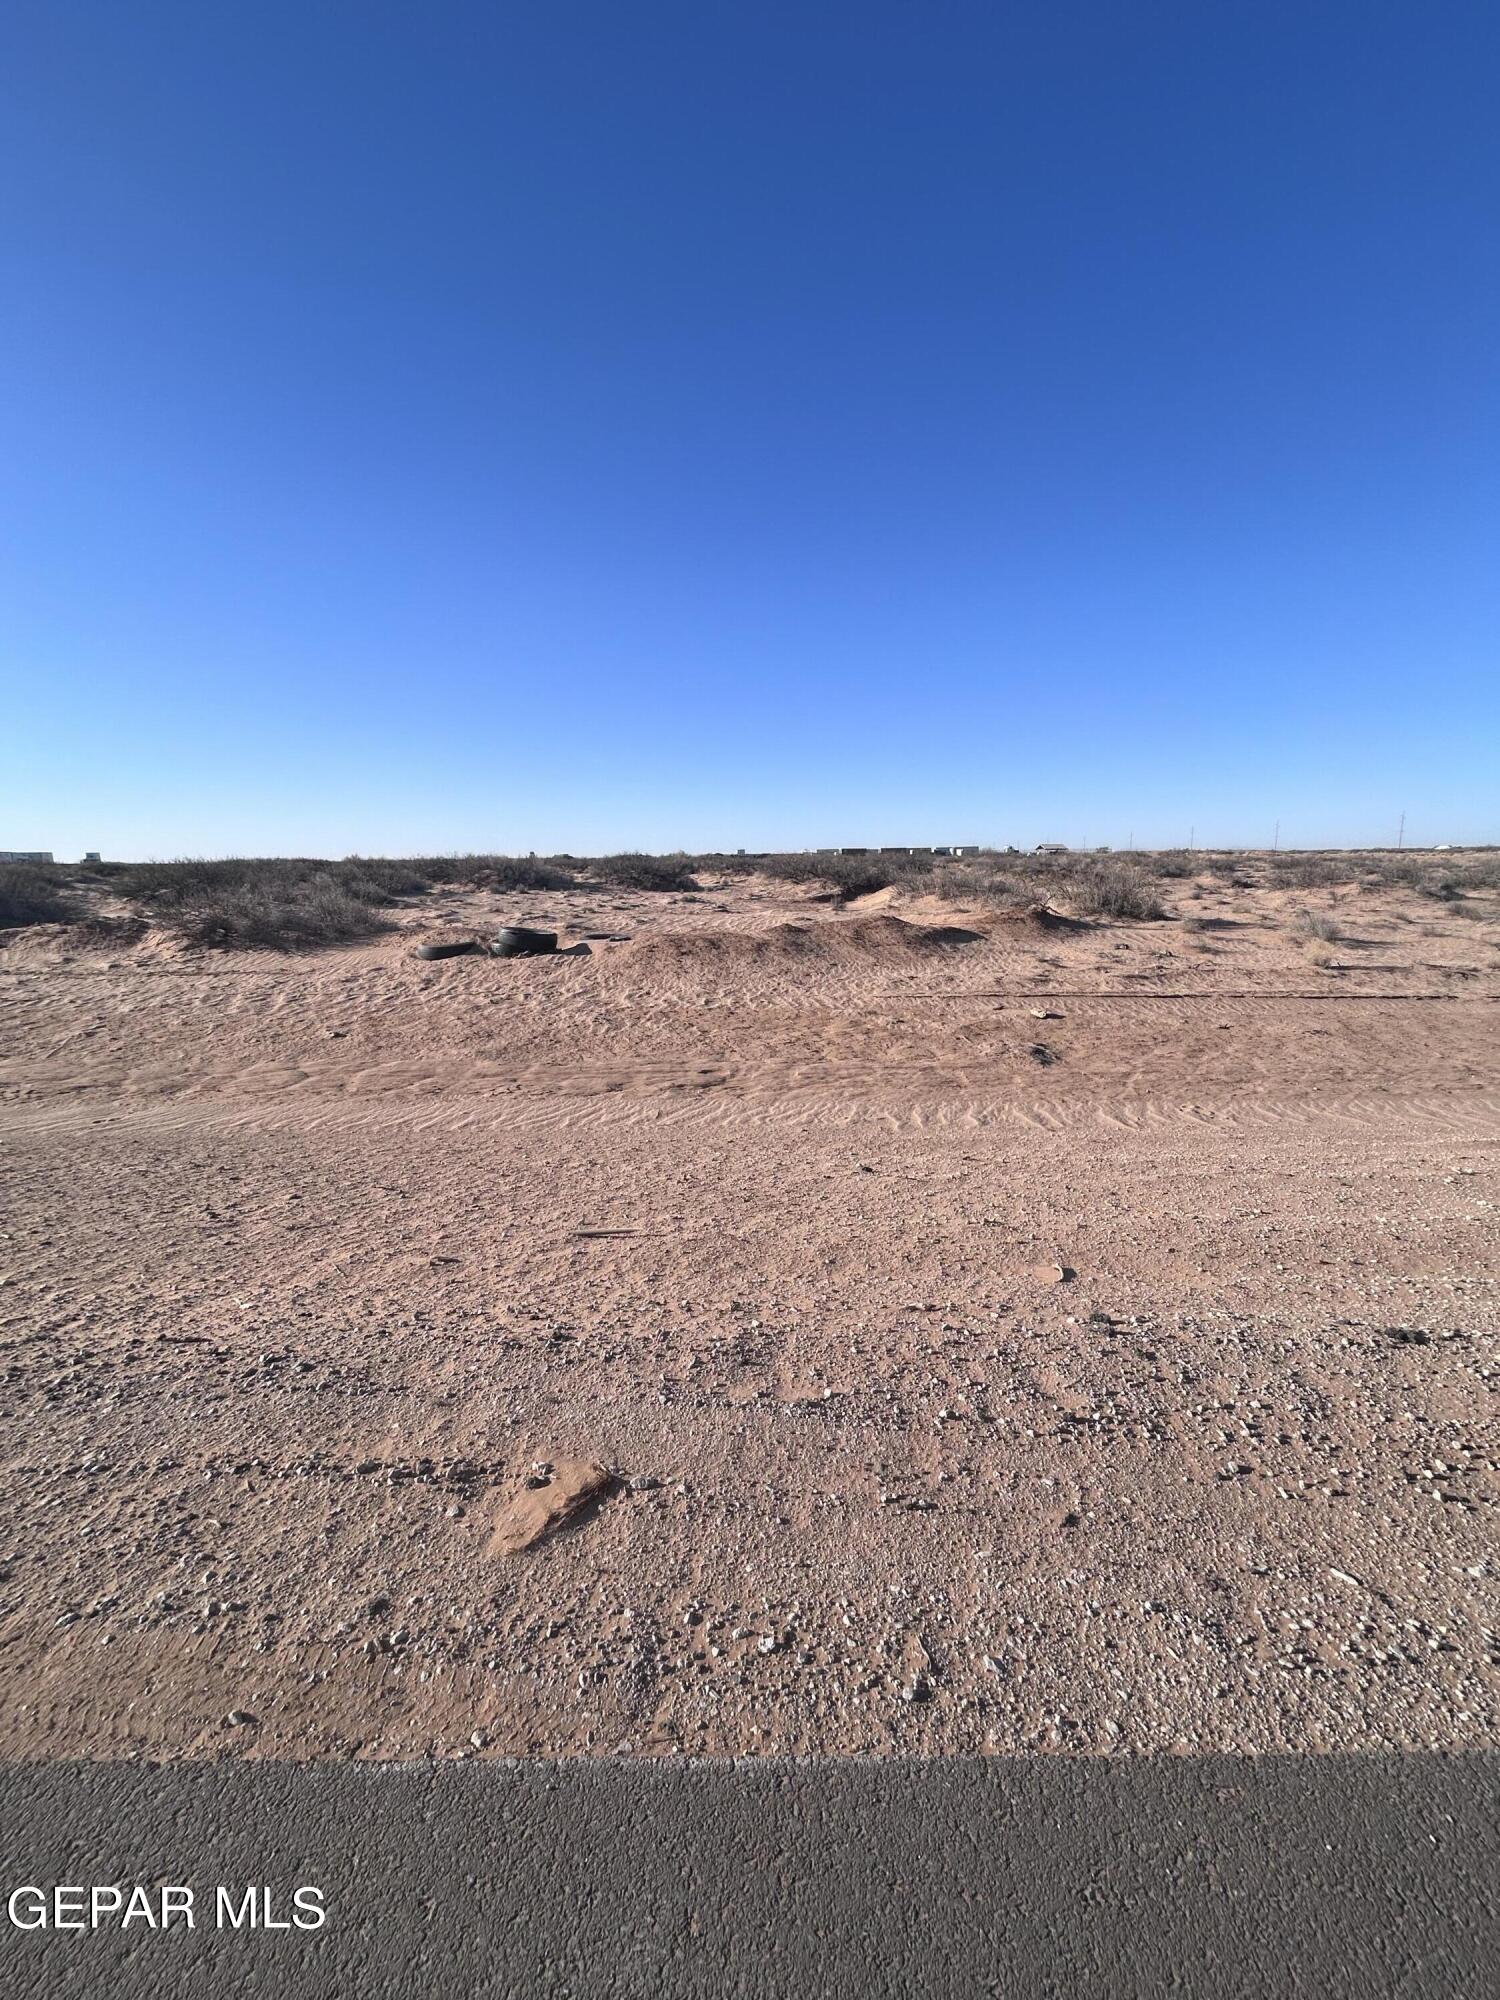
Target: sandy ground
x: 750, y: 1229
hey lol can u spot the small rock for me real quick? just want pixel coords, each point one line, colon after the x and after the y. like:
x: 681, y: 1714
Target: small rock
x: 1053, y: 1274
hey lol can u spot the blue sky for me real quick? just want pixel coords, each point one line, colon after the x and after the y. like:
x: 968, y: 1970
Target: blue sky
x: 584, y: 426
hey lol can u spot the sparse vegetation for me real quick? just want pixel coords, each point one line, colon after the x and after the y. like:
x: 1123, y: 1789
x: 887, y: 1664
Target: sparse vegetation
x: 993, y: 880
x: 1315, y: 924
x: 31, y: 893
x: 1112, y: 889
x: 286, y: 903
x: 495, y: 871
x: 298, y: 902
x: 849, y: 875
x: 1172, y: 863
x: 1309, y: 871
x: 663, y: 872
x: 369, y: 877
x: 1088, y: 884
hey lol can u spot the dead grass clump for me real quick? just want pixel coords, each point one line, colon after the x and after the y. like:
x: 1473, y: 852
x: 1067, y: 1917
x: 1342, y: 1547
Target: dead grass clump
x: 31, y: 893
x: 1314, y: 924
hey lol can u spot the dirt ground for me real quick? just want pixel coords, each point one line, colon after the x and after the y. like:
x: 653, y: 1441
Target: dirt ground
x: 933, y: 1331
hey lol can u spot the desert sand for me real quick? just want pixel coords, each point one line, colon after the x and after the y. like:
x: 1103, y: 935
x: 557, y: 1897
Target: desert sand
x: 923, y: 1330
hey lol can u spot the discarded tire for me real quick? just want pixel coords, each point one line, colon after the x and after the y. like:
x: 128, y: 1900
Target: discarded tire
x: 446, y: 950
x: 513, y: 942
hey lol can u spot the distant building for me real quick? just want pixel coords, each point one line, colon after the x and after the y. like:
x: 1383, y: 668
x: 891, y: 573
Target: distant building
x: 1051, y: 847
x: 92, y: 855
x: 893, y: 850
x: 25, y: 854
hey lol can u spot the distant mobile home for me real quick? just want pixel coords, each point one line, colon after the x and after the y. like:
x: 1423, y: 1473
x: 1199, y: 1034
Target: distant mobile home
x: 25, y: 854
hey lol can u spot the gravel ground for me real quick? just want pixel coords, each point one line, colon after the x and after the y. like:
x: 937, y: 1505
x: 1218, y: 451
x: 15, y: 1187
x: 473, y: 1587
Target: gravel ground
x: 990, y: 1335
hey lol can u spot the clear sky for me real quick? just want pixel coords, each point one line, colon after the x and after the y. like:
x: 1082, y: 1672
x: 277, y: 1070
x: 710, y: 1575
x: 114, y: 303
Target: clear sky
x: 562, y: 425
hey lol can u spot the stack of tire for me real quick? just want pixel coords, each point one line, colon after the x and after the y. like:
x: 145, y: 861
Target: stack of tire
x: 512, y: 942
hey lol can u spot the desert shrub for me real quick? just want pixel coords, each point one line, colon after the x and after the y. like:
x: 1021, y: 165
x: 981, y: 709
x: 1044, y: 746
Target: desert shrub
x: 1309, y: 871
x: 1112, y: 889
x: 1007, y: 881
x: 644, y: 871
x: 496, y: 871
x: 990, y: 879
x: 797, y: 867
x: 854, y: 875
x: 312, y: 912
x: 1172, y: 864
x: 851, y: 875
x: 31, y: 893
x: 1315, y: 924
x: 1444, y: 877
x: 527, y: 872
x: 713, y: 862
x: 227, y: 905
x: 371, y: 879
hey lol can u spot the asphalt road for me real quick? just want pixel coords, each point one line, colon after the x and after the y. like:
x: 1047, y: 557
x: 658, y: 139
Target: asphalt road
x: 1277, y: 1876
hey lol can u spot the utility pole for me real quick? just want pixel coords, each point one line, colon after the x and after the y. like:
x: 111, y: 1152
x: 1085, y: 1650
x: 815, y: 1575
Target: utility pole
x: 1191, y: 831
x: 1276, y: 838
x: 1401, y: 834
